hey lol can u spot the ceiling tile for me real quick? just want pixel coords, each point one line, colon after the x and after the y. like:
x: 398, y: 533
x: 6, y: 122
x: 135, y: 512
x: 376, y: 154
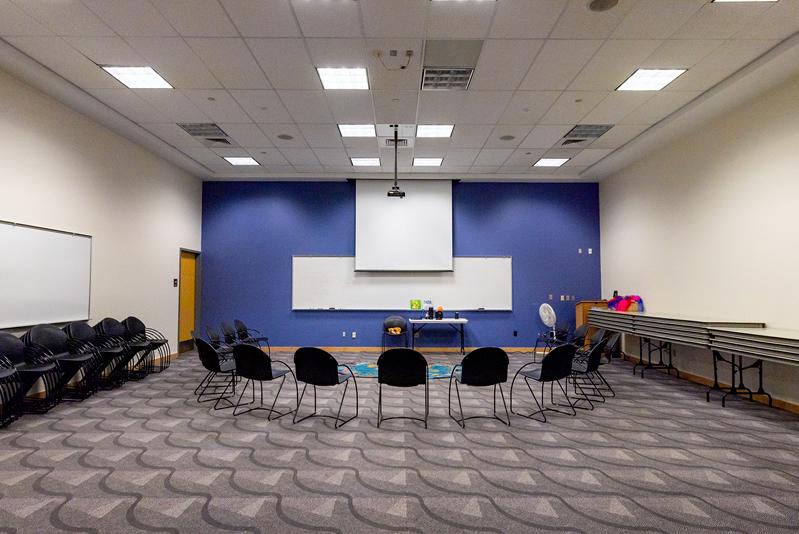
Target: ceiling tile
x: 680, y: 53
x: 203, y: 156
x: 467, y: 107
x: 618, y: 136
x: 395, y: 107
x: 523, y: 19
x: 492, y: 156
x: 578, y: 22
x: 484, y: 169
x: 196, y: 18
x: 659, y: 107
x: 459, y: 157
x: 333, y: 18
x: 264, y: 18
x: 332, y: 157
x: 527, y: 107
x: 230, y: 61
x: 559, y: 61
x: 286, y: 63
x: 370, y: 152
x: 364, y: 143
x: 106, y: 50
x: 14, y: 21
x: 321, y: 135
x: 504, y: 63
x: 138, y: 19
x: 128, y: 104
x: 172, y: 134
x: 588, y: 157
x: 337, y: 52
x: 613, y: 63
x: 390, y: 18
x: 247, y: 135
x: 262, y: 106
x: 722, y: 62
x: 388, y: 73
x: 306, y: 106
x: 617, y: 105
x: 544, y: 136
x: 175, y: 61
x: 656, y: 19
x: 518, y: 132
x: 272, y: 131
x: 459, y: 20
x: 351, y: 107
x: 173, y: 105
x: 268, y: 156
x: 720, y: 20
x: 66, y: 17
x: 779, y: 22
x: 217, y: 104
x: 299, y: 156
x: 572, y: 106
x: 470, y: 135
x: 57, y: 55
x: 523, y: 158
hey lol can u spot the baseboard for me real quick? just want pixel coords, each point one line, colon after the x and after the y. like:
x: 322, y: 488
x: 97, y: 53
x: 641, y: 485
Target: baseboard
x: 788, y: 406
x: 378, y: 350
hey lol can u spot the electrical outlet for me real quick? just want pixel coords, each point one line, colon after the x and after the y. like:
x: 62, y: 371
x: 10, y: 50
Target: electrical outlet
x: 562, y: 298
x: 590, y: 251
x: 579, y: 251
x: 550, y: 296
x: 343, y: 334
x: 515, y: 333
x: 354, y: 335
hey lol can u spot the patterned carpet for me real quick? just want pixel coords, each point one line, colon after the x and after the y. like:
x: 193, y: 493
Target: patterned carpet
x: 148, y: 457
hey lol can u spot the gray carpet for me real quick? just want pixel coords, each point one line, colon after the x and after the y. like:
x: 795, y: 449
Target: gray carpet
x: 148, y: 457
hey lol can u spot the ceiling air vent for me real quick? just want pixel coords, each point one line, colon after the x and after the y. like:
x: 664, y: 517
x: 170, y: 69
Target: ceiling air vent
x: 446, y: 79
x: 449, y: 64
x: 401, y: 143
x: 583, y: 135
x: 210, y: 134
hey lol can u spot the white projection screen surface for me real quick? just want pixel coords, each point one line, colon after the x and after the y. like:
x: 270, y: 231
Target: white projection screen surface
x: 403, y: 234
x: 45, y: 276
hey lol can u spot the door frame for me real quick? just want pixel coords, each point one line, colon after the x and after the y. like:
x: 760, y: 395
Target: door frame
x: 197, y: 271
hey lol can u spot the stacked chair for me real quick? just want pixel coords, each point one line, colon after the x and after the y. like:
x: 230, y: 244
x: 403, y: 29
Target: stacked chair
x: 32, y: 368
x: 11, y: 392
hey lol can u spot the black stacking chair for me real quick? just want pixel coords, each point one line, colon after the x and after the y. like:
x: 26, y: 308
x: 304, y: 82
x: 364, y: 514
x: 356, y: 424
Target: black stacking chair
x: 113, y: 334
x: 31, y: 368
x: 250, y: 335
x: 82, y: 338
x: 486, y: 366
x: 552, y: 338
x: 317, y: 367
x: 229, y: 334
x: 596, y: 338
x: 402, y: 368
x: 556, y: 366
x: 12, y: 392
x: 78, y: 370
x: 221, y: 375
x: 215, y: 339
x: 394, y: 321
x: 611, y: 348
x: 584, y: 369
x: 578, y: 336
x: 138, y: 332
x: 254, y: 365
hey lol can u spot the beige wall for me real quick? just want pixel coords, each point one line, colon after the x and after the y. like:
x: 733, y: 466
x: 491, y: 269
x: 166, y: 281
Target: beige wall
x: 709, y: 225
x: 61, y: 170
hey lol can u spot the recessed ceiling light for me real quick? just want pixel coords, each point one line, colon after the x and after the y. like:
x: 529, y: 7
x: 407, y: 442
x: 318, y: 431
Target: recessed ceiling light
x: 343, y: 77
x: 507, y: 137
x: 357, y: 130
x: 365, y: 162
x: 241, y: 161
x: 138, y: 77
x: 550, y: 162
x: 427, y: 162
x: 602, y: 5
x: 285, y: 137
x: 650, y: 79
x: 434, y: 130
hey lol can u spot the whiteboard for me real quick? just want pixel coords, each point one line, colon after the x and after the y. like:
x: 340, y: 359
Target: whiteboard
x: 45, y: 276
x: 403, y: 234
x: 331, y: 282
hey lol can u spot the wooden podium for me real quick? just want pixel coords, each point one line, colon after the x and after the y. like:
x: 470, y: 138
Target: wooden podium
x: 582, y: 307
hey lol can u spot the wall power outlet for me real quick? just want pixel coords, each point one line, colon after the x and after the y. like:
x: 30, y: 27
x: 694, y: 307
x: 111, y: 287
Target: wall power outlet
x: 343, y: 334
x: 354, y: 335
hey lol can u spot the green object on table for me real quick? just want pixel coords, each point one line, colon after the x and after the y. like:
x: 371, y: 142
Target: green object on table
x: 369, y: 370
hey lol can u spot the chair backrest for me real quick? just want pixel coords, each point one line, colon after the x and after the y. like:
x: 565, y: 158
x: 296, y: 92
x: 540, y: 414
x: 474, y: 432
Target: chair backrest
x: 136, y: 328
x: 595, y: 355
x: 395, y: 321
x: 557, y: 364
x: 111, y: 327
x: 241, y: 329
x: 578, y: 337
x: 80, y: 331
x: 613, y: 343
x: 208, y: 355
x: 485, y: 366
x: 252, y: 363
x: 48, y: 336
x: 228, y: 332
x: 315, y: 366
x: 12, y: 348
x: 598, y: 336
x: 213, y: 337
x: 402, y: 368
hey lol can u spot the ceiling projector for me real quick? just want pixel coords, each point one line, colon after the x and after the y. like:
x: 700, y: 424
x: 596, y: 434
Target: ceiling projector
x: 396, y: 192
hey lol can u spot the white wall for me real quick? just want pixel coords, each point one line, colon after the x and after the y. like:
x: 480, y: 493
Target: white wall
x: 62, y: 170
x: 709, y: 225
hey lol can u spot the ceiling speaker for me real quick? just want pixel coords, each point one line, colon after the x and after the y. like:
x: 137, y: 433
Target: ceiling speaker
x: 602, y: 5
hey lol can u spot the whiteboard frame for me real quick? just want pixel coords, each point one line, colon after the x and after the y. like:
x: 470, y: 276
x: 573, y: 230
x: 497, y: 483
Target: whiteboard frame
x: 91, y: 264
x: 293, y: 309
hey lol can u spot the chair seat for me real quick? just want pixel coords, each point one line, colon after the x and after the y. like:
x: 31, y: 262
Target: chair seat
x: 533, y: 374
x: 5, y: 373
x: 255, y: 339
x: 74, y: 358
x: 227, y: 365
x: 35, y: 369
x: 156, y: 343
x: 580, y: 365
x: 277, y: 373
x: 343, y: 377
x: 112, y: 351
x: 139, y: 345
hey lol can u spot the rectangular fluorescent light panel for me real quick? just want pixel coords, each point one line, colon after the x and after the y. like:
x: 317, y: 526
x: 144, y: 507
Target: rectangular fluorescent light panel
x: 241, y: 161
x: 138, y: 77
x: 550, y: 162
x: 427, y: 162
x: 357, y: 130
x: 343, y: 78
x: 434, y: 130
x: 650, y: 79
x: 365, y: 162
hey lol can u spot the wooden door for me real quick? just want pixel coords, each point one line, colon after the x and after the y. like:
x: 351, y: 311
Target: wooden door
x: 187, y: 306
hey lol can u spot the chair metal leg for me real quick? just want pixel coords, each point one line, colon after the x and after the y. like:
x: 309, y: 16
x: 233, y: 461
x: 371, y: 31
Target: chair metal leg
x: 202, y: 382
x: 338, y: 421
x: 531, y: 415
x: 380, y: 417
x: 607, y: 385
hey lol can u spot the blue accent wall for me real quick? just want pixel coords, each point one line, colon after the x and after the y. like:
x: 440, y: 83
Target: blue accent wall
x: 252, y: 229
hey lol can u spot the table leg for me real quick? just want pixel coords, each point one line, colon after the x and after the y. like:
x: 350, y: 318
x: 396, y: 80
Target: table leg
x: 413, y: 336
x: 463, y: 349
